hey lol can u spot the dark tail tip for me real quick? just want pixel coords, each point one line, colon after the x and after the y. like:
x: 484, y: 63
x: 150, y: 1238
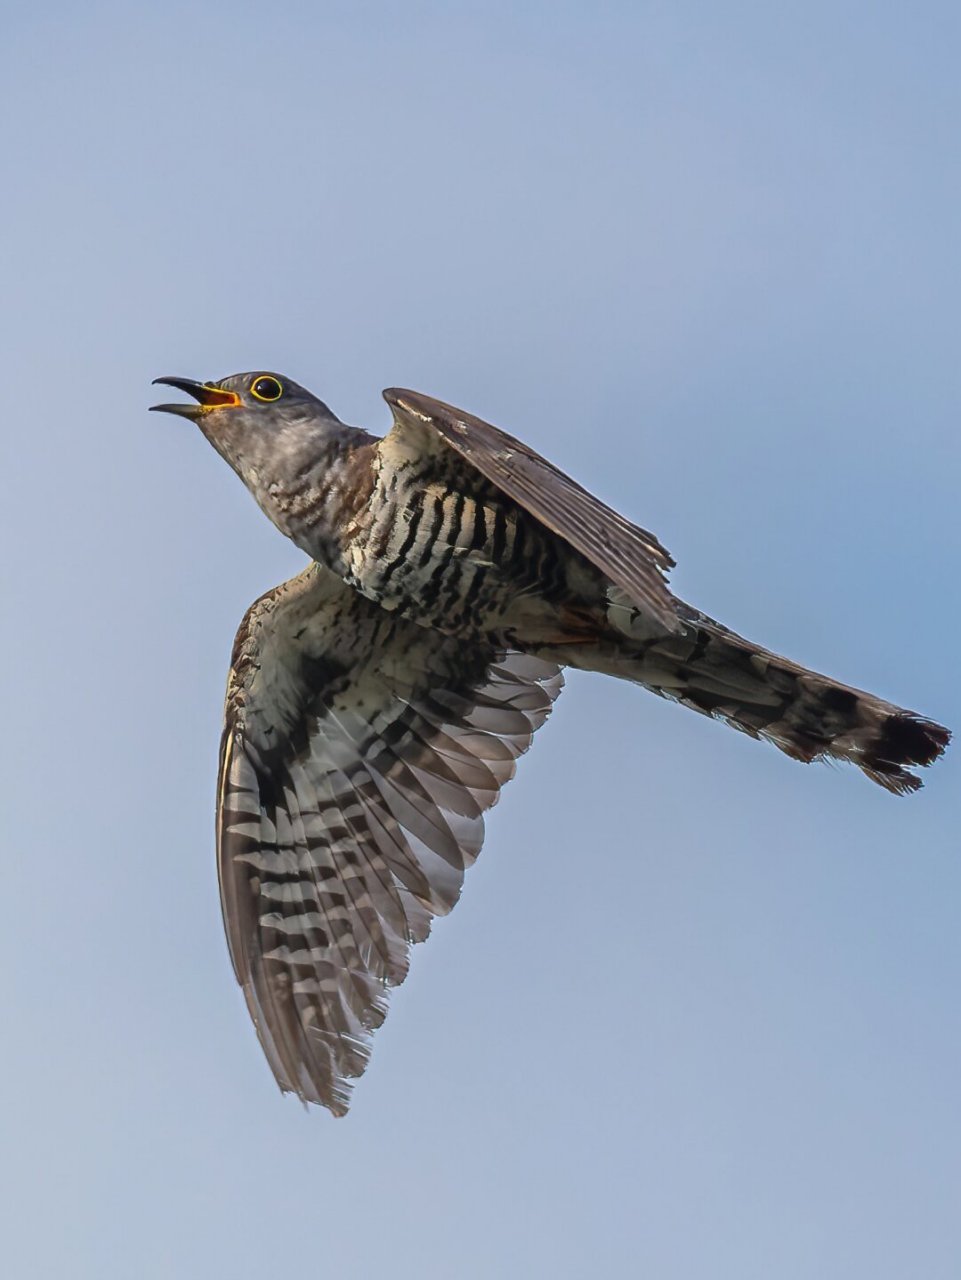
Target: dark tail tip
x: 905, y: 740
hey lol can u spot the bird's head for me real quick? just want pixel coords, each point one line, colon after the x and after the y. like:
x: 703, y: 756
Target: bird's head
x: 270, y: 429
x: 246, y: 407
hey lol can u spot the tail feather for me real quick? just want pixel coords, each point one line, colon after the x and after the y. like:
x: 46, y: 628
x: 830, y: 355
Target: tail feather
x: 806, y: 715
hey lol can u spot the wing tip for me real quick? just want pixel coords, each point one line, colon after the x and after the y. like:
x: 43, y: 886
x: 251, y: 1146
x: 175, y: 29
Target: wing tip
x: 401, y: 397
x: 402, y: 400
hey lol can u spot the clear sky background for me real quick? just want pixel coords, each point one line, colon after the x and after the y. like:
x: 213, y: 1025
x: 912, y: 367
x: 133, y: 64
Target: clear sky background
x: 697, y: 1014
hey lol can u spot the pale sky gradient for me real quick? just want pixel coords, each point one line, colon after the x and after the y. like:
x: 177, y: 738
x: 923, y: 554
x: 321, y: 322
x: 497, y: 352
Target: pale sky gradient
x: 697, y: 1014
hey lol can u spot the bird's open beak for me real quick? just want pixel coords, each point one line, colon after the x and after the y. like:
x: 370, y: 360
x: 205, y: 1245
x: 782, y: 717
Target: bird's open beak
x: 207, y: 396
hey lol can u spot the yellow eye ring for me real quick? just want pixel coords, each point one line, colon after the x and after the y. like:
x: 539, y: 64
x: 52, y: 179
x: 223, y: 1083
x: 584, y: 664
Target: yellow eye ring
x: 266, y: 388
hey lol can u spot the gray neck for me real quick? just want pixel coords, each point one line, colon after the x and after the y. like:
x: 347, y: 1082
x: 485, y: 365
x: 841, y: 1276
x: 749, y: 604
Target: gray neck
x: 309, y: 477
x: 320, y: 503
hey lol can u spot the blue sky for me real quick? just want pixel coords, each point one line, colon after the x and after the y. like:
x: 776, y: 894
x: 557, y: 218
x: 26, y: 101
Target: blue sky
x: 697, y: 1012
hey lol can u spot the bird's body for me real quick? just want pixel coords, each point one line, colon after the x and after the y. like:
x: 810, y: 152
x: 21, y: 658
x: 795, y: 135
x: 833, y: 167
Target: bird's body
x: 460, y: 558
x: 422, y: 537
x: 378, y: 701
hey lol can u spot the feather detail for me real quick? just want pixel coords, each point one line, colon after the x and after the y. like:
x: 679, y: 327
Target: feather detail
x: 360, y: 752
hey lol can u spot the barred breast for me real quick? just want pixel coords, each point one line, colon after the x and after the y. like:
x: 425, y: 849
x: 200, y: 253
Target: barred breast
x: 447, y: 549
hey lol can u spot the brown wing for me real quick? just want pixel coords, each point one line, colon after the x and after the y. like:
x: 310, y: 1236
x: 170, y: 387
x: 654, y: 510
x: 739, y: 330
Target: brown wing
x: 628, y: 555
x: 359, y: 754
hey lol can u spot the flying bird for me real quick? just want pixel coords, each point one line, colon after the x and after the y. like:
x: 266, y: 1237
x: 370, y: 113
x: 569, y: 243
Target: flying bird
x: 377, y: 702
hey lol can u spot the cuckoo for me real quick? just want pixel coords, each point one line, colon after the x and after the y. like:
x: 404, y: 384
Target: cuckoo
x: 377, y: 702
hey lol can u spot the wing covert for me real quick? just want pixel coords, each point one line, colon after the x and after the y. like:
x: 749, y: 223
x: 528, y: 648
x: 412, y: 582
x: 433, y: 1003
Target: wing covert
x: 631, y: 557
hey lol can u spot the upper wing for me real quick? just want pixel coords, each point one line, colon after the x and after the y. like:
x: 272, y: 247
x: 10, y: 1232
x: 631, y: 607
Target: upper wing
x: 630, y: 556
x: 359, y: 753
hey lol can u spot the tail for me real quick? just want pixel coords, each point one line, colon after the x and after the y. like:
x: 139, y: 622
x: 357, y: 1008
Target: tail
x: 806, y: 715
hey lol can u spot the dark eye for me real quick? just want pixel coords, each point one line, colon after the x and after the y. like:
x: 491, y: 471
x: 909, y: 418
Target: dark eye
x: 266, y: 388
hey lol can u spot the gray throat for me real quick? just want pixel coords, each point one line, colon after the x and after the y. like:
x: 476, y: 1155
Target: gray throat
x: 316, y: 497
